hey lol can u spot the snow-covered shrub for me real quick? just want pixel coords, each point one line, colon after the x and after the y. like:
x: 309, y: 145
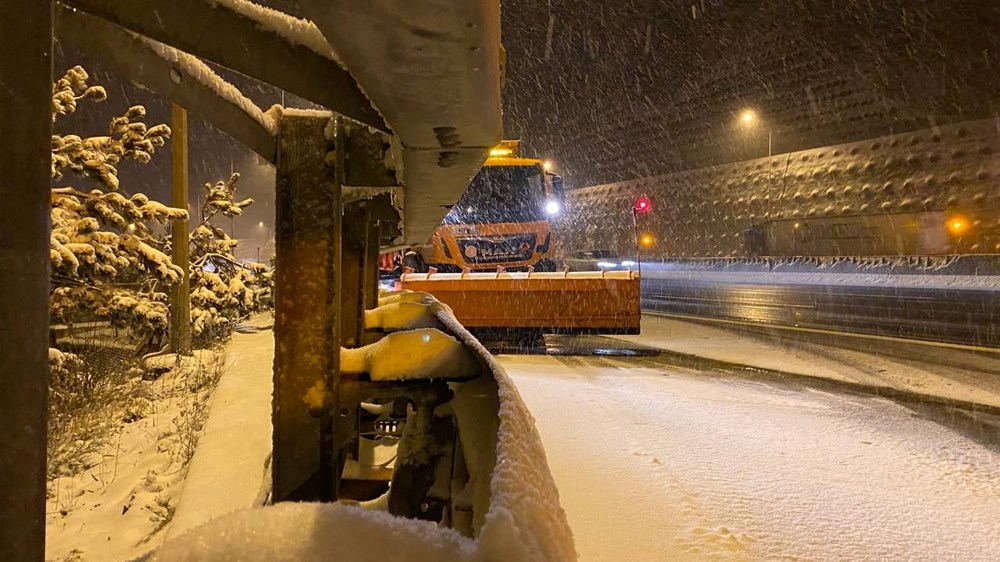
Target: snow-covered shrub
x: 223, y: 290
x: 145, y: 313
x: 107, y: 264
x: 66, y: 375
x: 106, y: 260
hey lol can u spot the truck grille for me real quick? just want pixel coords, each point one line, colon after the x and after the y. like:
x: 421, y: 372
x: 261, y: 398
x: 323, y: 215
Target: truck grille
x: 497, y: 249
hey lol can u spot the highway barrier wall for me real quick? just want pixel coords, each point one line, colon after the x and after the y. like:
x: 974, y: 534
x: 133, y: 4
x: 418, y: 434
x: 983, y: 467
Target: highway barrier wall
x: 928, y: 192
x: 967, y: 265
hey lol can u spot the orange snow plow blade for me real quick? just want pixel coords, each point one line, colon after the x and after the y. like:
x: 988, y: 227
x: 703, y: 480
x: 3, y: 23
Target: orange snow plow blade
x: 577, y: 302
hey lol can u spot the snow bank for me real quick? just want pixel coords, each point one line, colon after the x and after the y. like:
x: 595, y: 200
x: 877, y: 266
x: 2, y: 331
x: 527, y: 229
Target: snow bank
x: 116, y: 490
x: 308, y: 531
x: 912, y: 367
x: 164, y: 362
x: 228, y: 470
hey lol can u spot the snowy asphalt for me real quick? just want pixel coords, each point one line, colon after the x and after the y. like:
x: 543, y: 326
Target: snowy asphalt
x: 968, y: 316
x: 660, y: 461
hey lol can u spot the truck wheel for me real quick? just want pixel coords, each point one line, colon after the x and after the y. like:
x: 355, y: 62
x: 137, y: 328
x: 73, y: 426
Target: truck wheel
x: 413, y: 260
x: 545, y: 265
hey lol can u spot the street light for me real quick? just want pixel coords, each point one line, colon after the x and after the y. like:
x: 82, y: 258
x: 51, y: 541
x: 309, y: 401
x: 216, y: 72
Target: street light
x: 749, y: 118
x: 265, y: 232
x: 642, y: 206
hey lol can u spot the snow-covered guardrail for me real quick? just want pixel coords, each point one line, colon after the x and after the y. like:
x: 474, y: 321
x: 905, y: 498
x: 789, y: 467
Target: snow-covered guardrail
x: 948, y: 264
x: 507, y: 508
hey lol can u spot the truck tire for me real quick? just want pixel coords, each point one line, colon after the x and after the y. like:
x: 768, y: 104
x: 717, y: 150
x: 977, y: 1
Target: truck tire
x: 413, y: 260
x: 545, y: 265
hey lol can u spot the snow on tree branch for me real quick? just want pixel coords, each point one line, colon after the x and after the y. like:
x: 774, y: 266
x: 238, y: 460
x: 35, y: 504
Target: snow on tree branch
x: 223, y: 290
x: 128, y: 136
x: 101, y: 240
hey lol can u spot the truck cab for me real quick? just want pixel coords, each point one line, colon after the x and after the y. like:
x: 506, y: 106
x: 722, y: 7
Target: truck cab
x: 502, y: 219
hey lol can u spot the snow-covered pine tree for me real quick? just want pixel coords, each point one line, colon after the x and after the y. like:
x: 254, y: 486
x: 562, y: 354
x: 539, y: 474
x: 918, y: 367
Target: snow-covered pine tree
x: 223, y: 290
x: 106, y: 260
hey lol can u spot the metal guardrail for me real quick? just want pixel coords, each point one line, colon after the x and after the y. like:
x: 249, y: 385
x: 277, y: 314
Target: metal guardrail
x: 966, y: 264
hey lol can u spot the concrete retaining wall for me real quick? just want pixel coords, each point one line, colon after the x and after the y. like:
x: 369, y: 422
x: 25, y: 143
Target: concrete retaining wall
x: 953, y: 171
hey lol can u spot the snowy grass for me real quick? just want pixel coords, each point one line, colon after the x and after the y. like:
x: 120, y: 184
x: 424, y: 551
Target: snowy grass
x: 85, y: 408
x: 121, y: 443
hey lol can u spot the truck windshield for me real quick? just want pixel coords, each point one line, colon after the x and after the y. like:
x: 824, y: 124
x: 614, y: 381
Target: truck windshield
x: 501, y: 194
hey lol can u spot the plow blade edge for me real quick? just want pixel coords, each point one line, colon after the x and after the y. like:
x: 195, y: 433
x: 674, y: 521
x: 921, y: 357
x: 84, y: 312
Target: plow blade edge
x: 577, y: 302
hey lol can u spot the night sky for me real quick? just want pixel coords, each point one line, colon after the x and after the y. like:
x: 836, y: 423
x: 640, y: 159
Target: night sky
x: 618, y: 90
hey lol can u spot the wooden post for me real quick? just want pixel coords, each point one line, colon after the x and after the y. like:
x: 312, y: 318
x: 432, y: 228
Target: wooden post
x: 180, y: 293
x: 307, y: 302
x: 25, y: 145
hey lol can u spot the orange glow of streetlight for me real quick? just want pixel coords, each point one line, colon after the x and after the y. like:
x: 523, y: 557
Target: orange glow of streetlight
x: 647, y: 240
x: 748, y: 119
x: 958, y: 225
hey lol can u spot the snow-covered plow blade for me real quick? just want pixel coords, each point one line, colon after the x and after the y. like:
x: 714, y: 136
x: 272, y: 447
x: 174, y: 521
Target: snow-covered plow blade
x: 596, y: 302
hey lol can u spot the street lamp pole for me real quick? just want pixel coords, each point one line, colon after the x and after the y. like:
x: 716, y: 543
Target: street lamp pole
x: 749, y: 118
x: 635, y: 233
x: 769, y: 170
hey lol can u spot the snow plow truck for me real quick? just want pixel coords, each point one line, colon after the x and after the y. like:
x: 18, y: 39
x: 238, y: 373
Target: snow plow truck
x: 494, y: 259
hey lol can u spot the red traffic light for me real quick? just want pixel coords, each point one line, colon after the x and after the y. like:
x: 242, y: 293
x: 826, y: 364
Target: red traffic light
x: 641, y: 204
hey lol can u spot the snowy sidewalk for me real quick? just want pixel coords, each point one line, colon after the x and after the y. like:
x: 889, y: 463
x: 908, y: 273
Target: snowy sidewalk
x: 228, y: 468
x: 933, y: 371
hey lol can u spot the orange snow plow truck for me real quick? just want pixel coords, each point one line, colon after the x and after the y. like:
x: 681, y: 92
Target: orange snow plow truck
x: 494, y: 261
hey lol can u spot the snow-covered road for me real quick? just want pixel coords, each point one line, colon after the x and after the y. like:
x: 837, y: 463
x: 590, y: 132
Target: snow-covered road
x: 655, y: 462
